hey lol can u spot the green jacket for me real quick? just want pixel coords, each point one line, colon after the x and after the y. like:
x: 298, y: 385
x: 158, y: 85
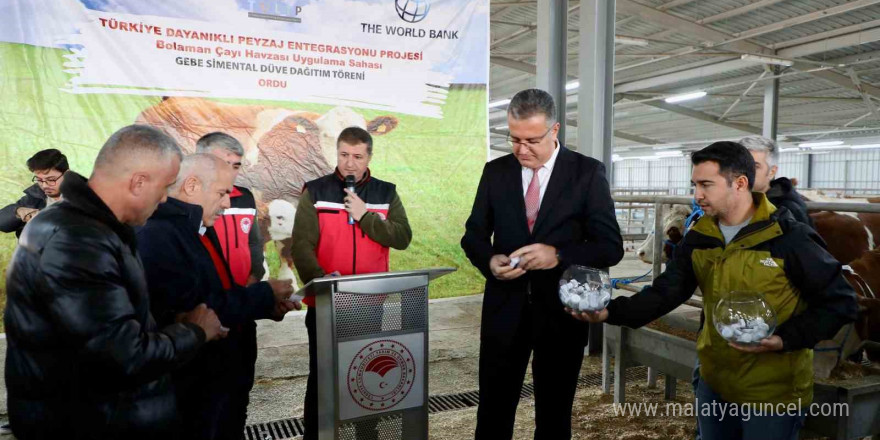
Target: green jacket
x: 775, y: 255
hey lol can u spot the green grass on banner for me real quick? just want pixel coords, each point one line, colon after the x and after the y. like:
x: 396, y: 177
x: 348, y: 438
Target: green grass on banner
x: 435, y: 163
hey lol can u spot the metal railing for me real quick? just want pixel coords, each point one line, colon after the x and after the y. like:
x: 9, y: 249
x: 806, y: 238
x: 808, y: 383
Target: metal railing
x: 660, y: 202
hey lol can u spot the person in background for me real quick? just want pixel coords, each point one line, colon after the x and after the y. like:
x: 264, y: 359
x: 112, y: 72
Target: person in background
x: 48, y: 167
x: 184, y: 266
x: 85, y: 358
x: 237, y: 228
x: 780, y: 190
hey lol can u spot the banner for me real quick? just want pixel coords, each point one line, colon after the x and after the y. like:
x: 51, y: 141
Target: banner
x: 284, y: 77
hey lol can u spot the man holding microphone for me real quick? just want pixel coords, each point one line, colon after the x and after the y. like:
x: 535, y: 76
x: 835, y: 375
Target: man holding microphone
x: 345, y: 224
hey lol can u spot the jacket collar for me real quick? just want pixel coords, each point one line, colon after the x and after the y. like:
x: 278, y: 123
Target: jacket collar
x: 780, y: 187
x: 77, y: 193
x: 362, y: 182
x: 35, y: 191
x: 178, y: 210
x: 764, y: 220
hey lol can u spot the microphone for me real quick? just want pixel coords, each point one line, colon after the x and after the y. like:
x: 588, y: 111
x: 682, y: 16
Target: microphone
x: 349, y: 185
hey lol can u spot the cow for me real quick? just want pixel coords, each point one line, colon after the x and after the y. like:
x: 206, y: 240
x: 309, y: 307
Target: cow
x: 845, y: 236
x: 284, y: 148
x: 866, y: 279
x: 673, y: 230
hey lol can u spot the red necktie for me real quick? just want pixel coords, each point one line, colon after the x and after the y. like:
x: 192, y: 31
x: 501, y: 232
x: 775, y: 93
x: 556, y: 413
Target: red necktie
x: 533, y: 200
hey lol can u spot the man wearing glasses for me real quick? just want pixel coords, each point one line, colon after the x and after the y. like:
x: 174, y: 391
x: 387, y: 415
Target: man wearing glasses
x: 48, y: 167
x: 536, y: 212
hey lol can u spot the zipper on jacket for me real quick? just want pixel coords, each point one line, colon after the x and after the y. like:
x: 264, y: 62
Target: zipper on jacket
x: 234, y: 228
x: 354, y: 250
x: 736, y: 239
x: 226, y: 236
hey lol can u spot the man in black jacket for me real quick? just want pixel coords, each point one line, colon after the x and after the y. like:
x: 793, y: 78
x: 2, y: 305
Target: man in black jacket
x: 184, y: 266
x: 48, y: 167
x: 85, y: 359
x: 780, y: 191
x: 548, y: 207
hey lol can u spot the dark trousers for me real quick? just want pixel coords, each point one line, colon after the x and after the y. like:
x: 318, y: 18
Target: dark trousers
x: 365, y: 430
x: 213, y: 399
x: 235, y: 415
x: 555, y: 368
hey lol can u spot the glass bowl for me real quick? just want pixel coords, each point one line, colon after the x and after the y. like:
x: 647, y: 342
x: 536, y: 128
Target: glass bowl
x: 585, y: 289
x: 744, y: 318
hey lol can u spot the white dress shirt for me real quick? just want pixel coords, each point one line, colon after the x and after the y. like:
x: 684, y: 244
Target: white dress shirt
x: 543, y: 174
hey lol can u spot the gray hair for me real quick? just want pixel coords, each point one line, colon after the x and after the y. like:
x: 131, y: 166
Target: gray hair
x: 760, y: 144
x: 531, y: 102
x: 219, y: 140
x: 132, y: 143
x: 203, y: 166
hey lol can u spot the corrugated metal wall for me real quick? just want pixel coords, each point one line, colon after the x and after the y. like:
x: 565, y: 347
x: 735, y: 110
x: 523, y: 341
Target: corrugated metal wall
x: 858, y: 172
x: 655, y: 174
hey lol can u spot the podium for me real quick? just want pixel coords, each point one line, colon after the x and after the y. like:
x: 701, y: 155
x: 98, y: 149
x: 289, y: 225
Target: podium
x: 372, y: 345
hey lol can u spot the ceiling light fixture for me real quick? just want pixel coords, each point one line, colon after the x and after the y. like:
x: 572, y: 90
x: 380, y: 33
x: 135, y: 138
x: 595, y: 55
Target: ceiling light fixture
x: 685, y: 97
x: 767, y: 60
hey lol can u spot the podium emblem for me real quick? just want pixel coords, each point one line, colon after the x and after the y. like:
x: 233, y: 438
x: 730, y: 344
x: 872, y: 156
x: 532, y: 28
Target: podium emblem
x: 381, y: 375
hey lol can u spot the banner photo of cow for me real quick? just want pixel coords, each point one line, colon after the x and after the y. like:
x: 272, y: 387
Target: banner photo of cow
x: 284, y: 78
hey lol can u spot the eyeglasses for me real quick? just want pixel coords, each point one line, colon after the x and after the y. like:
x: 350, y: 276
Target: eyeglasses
x: 49, y: 181
x: 512, y: 141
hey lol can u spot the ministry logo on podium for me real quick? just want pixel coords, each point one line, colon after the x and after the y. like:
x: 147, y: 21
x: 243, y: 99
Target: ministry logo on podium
x: 381, y: 375
x: 412, y: 11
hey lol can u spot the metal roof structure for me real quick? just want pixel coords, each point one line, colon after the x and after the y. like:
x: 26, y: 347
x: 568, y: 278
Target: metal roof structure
x: 830, y: 90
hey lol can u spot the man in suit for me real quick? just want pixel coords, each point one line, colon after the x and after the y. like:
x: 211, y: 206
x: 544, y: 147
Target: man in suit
x: 547, y: 207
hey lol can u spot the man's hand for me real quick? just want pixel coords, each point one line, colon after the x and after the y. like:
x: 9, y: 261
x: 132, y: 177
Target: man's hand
x: 500, y: 267
x: 205, y: 318
x: 536, y: 257
x: 252, y: 280
x: 772, y: 343
x: 282, y: 307
x: 592, y: 317
x: 26, y: 214
x: 354, y: 205
x: 281, y: 288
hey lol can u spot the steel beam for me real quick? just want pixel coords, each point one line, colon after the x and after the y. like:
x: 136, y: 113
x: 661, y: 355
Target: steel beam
x: 552, y: 58
x: 738, y: 11
x: 695, y: 114
x: 596, y: 90
x: 684, y: 26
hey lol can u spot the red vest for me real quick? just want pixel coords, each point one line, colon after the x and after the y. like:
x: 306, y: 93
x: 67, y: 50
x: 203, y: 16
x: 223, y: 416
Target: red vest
x: 342, y: 247
x: 233, y: 229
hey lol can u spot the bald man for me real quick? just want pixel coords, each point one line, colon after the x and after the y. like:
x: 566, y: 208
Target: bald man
x: 85, y: 358
x: 184, y: 266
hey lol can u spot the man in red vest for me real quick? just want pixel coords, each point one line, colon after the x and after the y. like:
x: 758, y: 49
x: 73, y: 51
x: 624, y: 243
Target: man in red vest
x: 326, y: 243
x: 237, y: 227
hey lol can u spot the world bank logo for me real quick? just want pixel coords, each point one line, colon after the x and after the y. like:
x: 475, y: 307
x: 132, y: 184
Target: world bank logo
x: 412, y: 11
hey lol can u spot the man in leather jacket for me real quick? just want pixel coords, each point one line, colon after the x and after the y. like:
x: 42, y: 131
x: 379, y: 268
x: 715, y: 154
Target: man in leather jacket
x: 85, y: 359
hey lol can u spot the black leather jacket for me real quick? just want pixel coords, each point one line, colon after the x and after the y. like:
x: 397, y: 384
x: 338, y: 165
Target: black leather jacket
x: 34, y: 197
x: 85, y: 359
